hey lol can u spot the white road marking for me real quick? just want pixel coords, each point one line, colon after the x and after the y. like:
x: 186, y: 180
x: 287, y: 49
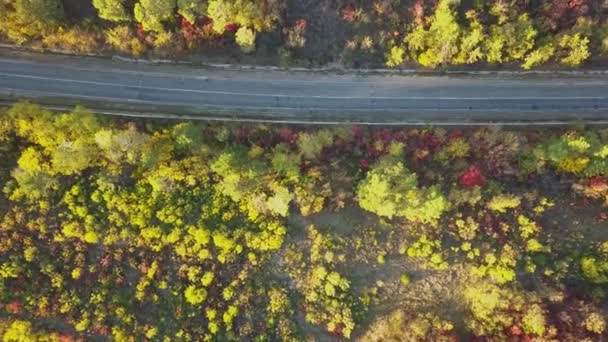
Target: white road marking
x: 266, y: 108
x: 54, y: 79
x: 334, y: 123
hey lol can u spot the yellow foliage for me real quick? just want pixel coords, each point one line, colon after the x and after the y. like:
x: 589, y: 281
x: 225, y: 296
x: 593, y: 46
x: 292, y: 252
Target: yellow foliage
x: 573, y: 164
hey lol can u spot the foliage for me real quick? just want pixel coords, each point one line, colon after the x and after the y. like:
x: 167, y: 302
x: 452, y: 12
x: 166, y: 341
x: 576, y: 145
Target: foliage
x: 502, y: 202
x: 244, y: 13
x: 390, y: 190
x: 112, y: 10
x: 539, y: 56
x: 152, y: 13
x: 190, y: 9
x: 434, y: 34
x: 144, y: 230
x: 511, y: 40
x: 576, y: 47
x: 403, y: 326
x: 245, y: 38
x: 123, y: 39
x: 429, y: 251
x: 395, y: 56
x: 595, y: 269
x: 325, y: 290
x: 439, y: 43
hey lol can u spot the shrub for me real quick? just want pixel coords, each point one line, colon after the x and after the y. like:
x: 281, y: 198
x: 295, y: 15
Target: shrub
x: 595, y: 269
x: 389, y: 189
x: 576, y: 48
x: 395, y: 56
x: 440, y: 42
x: 245, y: 38
x: 539, y: 56
x: 112, y: 10
x: 123, y: 39
x: 502, y: 202
x: 595, y: 323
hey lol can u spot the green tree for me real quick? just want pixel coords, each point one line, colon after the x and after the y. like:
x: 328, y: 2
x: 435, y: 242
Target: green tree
x: 42, y: 12
x: 191, y: 9
x: 510, y: 41
x: 112, y: 10
x: 539, y: 56
x: 439, y: 43
x: 30, y: 18
x: 245, y: 38
x: 395, y: 56
x: 238, y: 174
x: 245, y: 13
x: 152, y: 13
x: 576, y: 49
x: 389, y: 189
x: 471, y: 43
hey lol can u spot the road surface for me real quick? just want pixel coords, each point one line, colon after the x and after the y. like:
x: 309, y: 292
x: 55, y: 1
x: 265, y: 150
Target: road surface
x: 304, y: 95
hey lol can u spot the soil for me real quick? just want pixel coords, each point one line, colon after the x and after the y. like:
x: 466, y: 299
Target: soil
x: 435, y: 291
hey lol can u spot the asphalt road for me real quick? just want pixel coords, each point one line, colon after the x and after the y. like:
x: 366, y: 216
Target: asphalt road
x: 289, y: 95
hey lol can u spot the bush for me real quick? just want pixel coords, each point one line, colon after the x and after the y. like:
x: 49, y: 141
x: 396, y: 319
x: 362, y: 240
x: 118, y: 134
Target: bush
x: 576, y: 48
x: 389, y: 190
x: 245, y: 38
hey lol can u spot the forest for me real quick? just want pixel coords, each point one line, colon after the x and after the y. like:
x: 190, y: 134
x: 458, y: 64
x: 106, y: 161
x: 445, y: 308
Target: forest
x: 121, y: 229
x: 310, y: 33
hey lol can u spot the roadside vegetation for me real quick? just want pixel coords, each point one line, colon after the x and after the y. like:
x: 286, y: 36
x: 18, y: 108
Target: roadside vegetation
x: 380, y: 33
x: 128, y: 230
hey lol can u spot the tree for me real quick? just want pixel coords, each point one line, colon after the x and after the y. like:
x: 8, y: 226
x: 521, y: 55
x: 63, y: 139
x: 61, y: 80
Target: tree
x: 539, y: 56
x: 510, y: 41
x: 312, y: 144
x: 395, y: 56
x: 576, y: 47
x: 238, y: 174
x: 190, y: 9
x: 112, y: 10
x: 41, y: 12
x: 30, y: 18
x: 389, y: 189
x: 471, y: 43
x: 245, y: 13
x: 152, y: 13
x: 245, y: 38
x: 279, y: 202
x: 440, y: 42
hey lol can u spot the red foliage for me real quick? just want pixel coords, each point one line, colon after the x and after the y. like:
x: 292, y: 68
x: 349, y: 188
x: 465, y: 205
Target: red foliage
x: 429, y: 141
x: 338, y: 330
x: 288, y: 136
x: 417, y: 11
x: 103, y: 330
x: 14, y: 307
x: 455, y: 133
x: 301, y: 24
x: 515, y: 330
x: 598, y: 184
x: 363, y: 163
x: 563, y: 13
x: 472, y: 177
x: 386, y: 135
x: 242, y: 135
x: 188, y: 30
x: 232, y: 27
x: 357, y: 132
x: 141, y: 33
x: 348, y: 13
x: 66, y: 338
